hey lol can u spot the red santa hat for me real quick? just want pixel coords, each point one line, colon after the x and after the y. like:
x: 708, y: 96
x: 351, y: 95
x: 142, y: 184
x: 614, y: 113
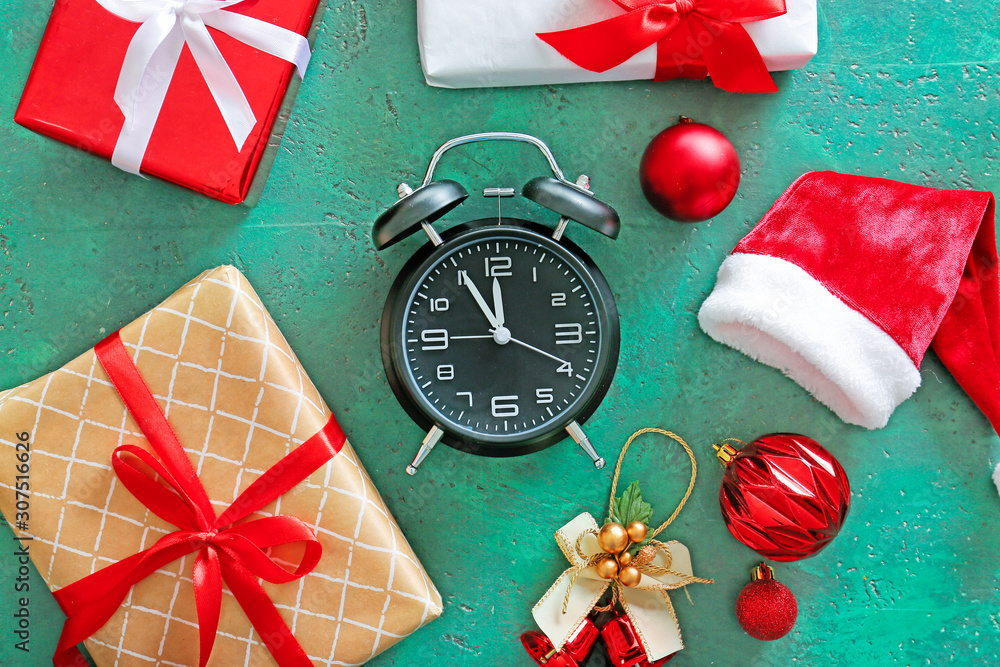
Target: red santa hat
x: 848, y: 280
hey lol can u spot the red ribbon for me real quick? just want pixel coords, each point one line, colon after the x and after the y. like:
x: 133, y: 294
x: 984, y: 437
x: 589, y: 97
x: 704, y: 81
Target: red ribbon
x: 694, y: 38
x: 170, y: 488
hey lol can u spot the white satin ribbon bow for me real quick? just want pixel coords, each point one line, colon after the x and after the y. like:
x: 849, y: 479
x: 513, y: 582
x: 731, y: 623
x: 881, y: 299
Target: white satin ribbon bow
x: 156, y: 47
x: 578, y: 589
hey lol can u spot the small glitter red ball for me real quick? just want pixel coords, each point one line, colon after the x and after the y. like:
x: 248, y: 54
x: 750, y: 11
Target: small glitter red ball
x: 766, y: 609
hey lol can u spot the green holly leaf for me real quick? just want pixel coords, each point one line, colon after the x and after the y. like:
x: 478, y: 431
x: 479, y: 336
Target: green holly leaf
x: 631, y: 507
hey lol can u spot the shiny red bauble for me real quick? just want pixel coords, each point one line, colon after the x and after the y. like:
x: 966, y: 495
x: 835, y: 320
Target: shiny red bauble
x: 624, y: 647
x: 690, y: 172
x: 574, y: 652
x: 783, y: 495
x: 765, y: 608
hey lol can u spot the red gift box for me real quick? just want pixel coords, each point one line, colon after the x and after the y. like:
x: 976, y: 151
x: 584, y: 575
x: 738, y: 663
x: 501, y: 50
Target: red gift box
x: 70, y: 95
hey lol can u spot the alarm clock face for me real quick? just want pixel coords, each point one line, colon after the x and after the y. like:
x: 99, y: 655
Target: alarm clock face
x: 500, y: 336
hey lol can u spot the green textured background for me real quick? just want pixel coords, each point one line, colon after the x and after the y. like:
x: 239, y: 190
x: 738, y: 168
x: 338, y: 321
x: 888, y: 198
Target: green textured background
x: 906, y: 89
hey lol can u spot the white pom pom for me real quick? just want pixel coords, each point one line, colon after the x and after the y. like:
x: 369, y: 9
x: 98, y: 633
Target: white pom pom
x: 996, y: 477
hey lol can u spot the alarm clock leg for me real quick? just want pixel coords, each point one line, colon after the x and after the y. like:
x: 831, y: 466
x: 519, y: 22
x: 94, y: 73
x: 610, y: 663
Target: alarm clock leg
x: 432, y: 438
x: 581, y: 439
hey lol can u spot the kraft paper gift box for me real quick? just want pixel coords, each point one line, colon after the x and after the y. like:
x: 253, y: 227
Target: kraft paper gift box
x: 477, y: 43
x: 74, y: 93
x: 239, y: 401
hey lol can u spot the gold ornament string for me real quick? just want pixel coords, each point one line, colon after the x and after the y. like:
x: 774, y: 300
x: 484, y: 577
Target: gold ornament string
x: 648, y: 567
x: 618, y: 469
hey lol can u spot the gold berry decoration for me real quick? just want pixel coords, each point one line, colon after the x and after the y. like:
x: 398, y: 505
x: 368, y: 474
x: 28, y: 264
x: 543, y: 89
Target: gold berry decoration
x: 607, y: 568
x: 613, y: 538
x: 630, y: 576
x: 637, y: 531
x: 626, y: 527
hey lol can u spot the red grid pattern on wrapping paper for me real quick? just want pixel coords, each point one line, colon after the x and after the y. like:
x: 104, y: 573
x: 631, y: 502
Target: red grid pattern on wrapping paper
x: 199, y: 455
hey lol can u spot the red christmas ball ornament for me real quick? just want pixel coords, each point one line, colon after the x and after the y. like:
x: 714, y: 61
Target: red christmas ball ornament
x: 690, y: 172
x: 783, y: 495
x: 765, y: 608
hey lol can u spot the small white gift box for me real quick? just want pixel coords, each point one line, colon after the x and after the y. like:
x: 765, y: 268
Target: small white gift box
x: 480, y: 43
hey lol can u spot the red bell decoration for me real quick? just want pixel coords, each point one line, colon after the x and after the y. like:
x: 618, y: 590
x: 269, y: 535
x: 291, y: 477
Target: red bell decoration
x: 576, y: 650
x: 624, y: 647
x: 690, y: 172
x: 783, y: 495
x: 765, y: 608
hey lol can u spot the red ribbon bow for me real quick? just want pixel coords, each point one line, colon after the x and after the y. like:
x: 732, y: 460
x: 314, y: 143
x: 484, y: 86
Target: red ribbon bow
x: 694, y: 38
x: 170, y: 488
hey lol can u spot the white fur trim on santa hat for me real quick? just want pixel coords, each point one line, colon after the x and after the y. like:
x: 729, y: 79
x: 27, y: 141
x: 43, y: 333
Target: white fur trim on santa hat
x: 775, y: 312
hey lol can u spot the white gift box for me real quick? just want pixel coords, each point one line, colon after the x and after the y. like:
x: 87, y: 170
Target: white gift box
x: 481, y: 43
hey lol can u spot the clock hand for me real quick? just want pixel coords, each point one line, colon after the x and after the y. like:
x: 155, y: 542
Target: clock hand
x: 470, y: 337
x: 482, y: 303
x: 498, y: 302
x: 532, y: 347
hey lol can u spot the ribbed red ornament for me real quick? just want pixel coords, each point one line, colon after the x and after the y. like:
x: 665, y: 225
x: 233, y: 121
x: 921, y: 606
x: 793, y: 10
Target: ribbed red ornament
x: 783, y: 495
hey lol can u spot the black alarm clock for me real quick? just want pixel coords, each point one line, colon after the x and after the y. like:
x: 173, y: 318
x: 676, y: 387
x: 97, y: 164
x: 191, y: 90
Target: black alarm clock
x: 500, y: 336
